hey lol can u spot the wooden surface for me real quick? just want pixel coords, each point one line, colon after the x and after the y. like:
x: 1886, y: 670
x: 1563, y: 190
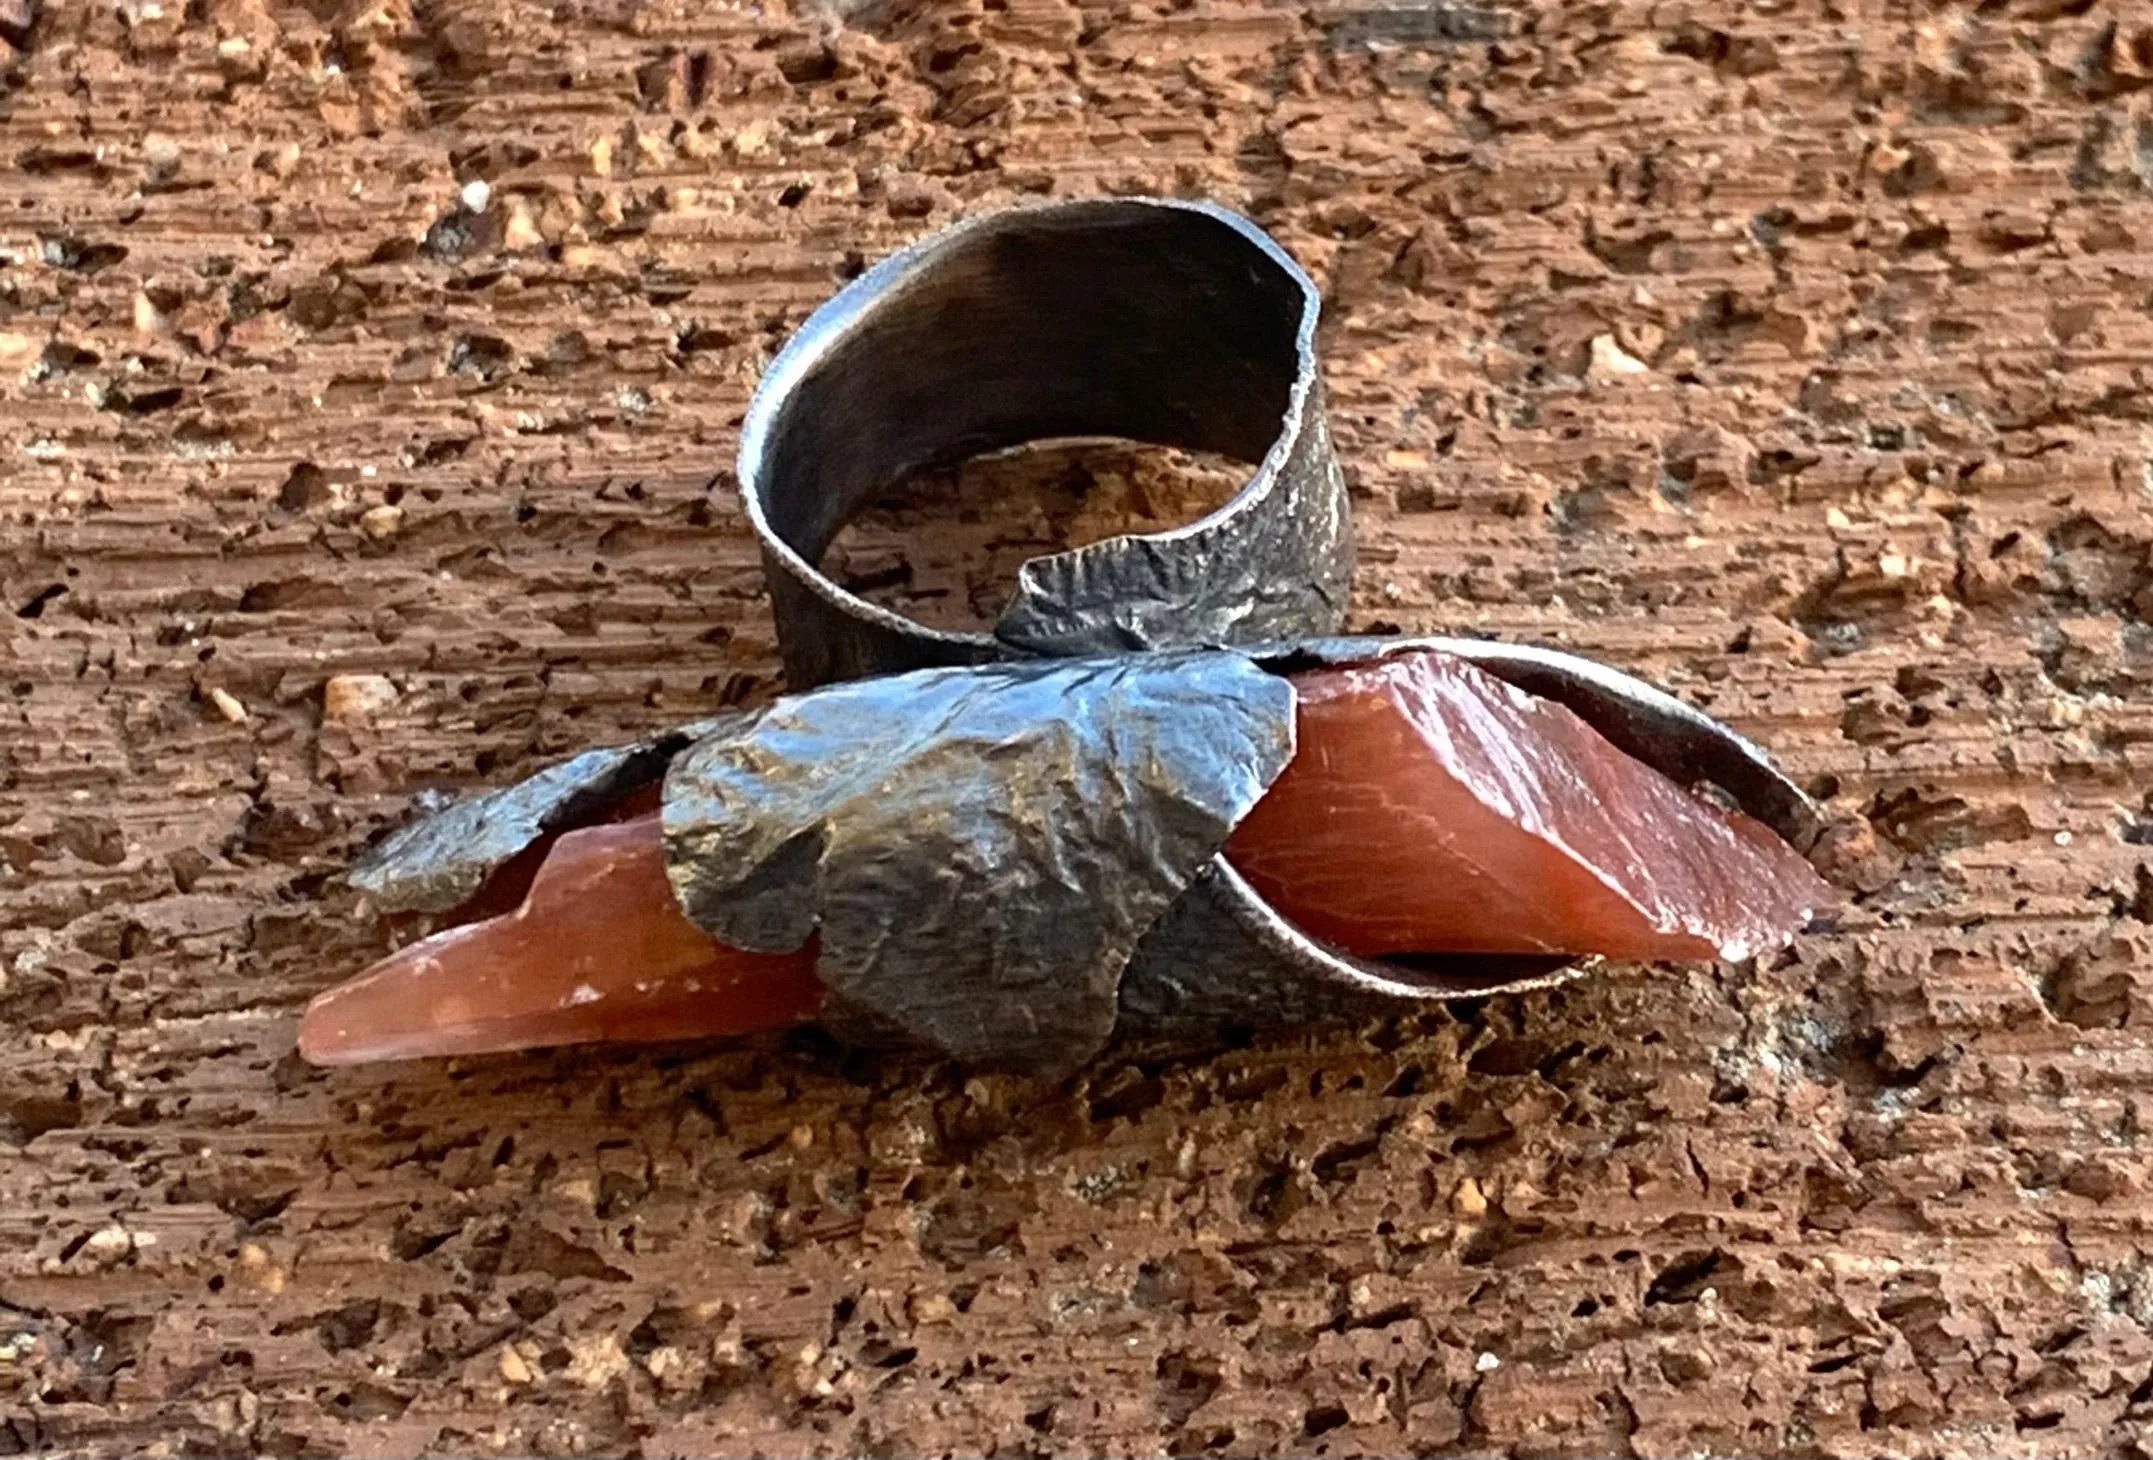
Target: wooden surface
x: 1792, y: 353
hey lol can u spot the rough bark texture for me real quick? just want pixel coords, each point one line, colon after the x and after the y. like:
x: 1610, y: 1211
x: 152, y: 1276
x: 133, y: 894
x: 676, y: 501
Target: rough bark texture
x: 371, y: 375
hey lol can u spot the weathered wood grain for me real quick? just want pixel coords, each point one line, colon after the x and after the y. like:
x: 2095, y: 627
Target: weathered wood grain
x: 1796, y: 354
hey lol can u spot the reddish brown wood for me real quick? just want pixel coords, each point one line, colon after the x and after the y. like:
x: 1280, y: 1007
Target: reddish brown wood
x: 434, y: 496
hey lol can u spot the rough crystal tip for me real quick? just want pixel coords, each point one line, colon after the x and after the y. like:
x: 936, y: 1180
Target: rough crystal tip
x: 596, y: 950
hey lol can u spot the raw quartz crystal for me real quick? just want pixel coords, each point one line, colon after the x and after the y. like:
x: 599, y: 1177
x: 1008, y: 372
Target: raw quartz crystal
x: 1431, y: 807
x: 597, y: 951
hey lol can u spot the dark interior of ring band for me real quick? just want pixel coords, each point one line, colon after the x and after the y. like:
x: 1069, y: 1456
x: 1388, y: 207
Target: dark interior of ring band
x: 1148, y: 323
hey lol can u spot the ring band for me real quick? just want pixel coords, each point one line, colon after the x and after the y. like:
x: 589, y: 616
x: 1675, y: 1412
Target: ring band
x: 1171, y: 323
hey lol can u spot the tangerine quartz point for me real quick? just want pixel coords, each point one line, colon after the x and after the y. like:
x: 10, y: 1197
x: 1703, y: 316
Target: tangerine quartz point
x: 1431, y: 807
x: 597, y: 951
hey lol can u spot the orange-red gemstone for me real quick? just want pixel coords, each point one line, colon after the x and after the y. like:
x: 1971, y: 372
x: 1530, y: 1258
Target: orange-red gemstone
x: 1431, y: 807
x: 598, y: 951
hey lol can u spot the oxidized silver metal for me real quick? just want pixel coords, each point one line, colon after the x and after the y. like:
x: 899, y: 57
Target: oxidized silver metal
x: 1173, y: 323
x: 978, y: 850
x: 439, y: 862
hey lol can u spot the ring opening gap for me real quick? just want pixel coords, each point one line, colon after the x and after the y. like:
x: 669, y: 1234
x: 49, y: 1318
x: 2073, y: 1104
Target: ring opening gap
x: 942, y: 546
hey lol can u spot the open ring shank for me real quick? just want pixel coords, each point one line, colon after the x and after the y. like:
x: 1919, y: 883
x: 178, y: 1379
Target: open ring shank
x: 1176, y: 324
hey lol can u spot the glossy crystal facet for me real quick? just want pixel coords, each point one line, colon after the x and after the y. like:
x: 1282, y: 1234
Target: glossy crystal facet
x: 597, y: 951
x: 1430, y: 807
